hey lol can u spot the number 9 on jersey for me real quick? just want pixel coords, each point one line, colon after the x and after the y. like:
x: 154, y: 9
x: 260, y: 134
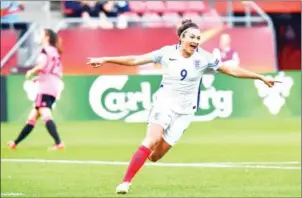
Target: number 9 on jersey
x: 183, y: 74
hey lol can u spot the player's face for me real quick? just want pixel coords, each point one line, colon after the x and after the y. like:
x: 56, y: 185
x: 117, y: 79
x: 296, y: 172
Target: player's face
x: 45, y: 37
x: 42, y: 40
x: 39, y: 37
x: 191, y: 41
x: 225, y: 41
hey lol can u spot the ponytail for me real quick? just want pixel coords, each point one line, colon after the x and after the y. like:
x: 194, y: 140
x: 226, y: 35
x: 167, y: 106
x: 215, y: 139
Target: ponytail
x: 59, y: 44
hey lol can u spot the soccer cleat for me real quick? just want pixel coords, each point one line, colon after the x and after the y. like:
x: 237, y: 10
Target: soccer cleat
x: 12, y: 145
x: 123, y: 188
x: 55, y: 147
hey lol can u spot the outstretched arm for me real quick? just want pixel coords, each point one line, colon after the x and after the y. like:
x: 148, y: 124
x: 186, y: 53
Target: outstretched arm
x: 154, y: 57
x: 239, y: 72
x: 242, y: 73
x: 122, y: 60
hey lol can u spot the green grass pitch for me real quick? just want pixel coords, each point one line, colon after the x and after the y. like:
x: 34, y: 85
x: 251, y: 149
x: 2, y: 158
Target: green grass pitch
x: 273, y: 145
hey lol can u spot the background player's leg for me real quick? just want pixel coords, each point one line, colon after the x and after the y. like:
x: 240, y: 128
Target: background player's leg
x: 46, y: 115
x: 154, y: 134
x: 161, y: 149
x: 27, y: 129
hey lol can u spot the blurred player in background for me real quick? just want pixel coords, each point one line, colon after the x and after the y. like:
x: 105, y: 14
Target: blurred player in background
x: 49, y: 79
x: 225, y: 53
x: 177, y: 99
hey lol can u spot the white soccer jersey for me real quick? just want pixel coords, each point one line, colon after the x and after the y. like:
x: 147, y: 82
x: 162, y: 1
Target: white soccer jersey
x: 181, y: 79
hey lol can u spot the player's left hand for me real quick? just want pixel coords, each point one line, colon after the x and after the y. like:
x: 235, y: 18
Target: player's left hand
x: 270, y: 82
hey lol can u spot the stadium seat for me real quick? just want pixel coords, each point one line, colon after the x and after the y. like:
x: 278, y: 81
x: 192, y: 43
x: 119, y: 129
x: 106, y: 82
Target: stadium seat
x: 131, y: 15
x: 137, y: 6
x: 155, y: 6
x: 152, y: 16
x: 177, y: 6
x: 171, y: 19
x: 196, y: 6
x: 194, y: 16
x: 212, y: 24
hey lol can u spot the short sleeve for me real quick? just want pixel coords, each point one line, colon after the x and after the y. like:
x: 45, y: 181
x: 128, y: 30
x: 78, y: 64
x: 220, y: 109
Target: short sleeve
x: 157, y: 55
x: 214, y: 62
x: 42, y: 59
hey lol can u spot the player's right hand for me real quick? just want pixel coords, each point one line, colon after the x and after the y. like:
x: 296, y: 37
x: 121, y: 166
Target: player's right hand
x: 95, y: 62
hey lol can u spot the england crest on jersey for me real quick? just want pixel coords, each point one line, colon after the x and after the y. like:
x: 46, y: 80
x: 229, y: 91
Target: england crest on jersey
x: 197, y: 64
x: 216, y: 62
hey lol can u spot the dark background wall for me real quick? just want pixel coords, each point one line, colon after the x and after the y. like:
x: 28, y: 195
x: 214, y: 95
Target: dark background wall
x: 3, y: 98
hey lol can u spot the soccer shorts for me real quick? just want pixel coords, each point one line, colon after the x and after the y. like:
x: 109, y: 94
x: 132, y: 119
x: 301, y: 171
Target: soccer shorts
x: 174, y: 124
x: 44, y: 100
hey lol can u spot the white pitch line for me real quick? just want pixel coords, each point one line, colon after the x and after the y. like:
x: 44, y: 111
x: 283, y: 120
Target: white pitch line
x: 258, y: 163
x: 261, y: 165
x: 11, y: 194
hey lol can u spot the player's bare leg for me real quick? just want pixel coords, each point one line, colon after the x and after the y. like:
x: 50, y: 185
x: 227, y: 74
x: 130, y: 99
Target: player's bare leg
x: 153, y: 137
x: 161, y: 149
x: 51, y: 127
x: 27, y: 129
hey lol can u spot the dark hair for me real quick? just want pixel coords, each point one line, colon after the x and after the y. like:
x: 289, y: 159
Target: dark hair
x: 54, y: 39
x: 186, y: 24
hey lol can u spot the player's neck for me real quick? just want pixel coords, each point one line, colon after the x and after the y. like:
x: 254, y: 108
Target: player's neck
x: 185, y: 54
x: 44, y: 44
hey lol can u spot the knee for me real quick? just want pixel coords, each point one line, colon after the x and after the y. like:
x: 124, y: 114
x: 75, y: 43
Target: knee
x: 46, y: 115
x: 32, y: 118
x: 154, y: 157
x: 31, y: 122
x: 151, y: 143
x: 46, y: 118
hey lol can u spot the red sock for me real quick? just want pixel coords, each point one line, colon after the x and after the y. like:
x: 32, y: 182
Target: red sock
x: 138, y: 160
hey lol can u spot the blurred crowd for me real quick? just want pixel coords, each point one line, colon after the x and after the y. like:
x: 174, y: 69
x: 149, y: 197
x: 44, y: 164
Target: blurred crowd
x: 103, y: 14
x: 108, y: 14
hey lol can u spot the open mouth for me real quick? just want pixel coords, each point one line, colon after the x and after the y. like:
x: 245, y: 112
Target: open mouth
x: 193, y: 46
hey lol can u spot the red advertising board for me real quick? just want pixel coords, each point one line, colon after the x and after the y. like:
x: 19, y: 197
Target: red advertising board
x: 8, y: 40
x: 255, y: 47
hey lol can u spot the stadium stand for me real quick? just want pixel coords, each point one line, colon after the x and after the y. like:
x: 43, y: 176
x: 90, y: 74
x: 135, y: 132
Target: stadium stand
x: 158, y: 11
x: 168, y: 14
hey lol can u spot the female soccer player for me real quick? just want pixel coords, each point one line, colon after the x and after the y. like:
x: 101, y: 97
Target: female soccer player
x: 178, y: 96
x: 49, y: 70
